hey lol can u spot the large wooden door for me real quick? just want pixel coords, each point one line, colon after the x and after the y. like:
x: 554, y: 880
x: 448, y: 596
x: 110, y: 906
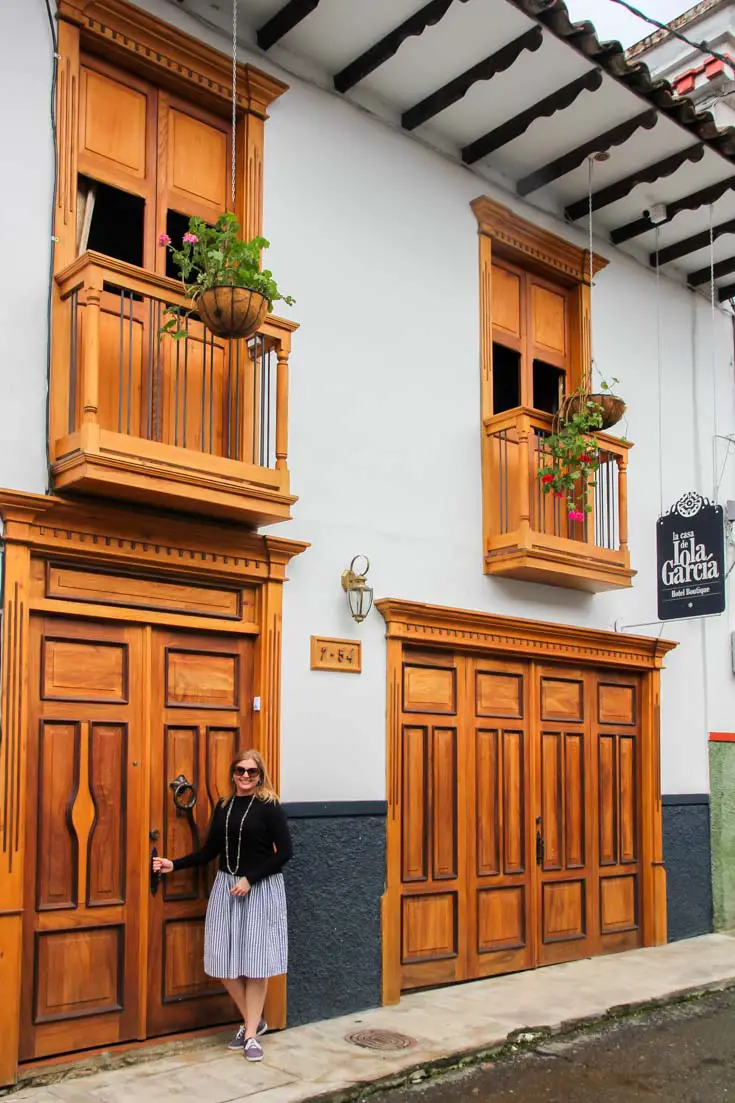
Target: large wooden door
x: 200, y: 717
x: 81, y: 965
x: 519, y: 815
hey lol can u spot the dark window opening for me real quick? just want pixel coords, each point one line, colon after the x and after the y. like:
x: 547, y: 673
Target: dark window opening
x: 548, y: 386
x: 116, y: 224
x: 506, y: 378
x: 176, y: 226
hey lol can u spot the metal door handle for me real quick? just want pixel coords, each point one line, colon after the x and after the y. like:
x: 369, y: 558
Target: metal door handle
x: 155, y: 877
x: 539, y: 848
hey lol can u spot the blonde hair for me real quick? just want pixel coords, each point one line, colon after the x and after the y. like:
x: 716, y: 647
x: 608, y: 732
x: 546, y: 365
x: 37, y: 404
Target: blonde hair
x: 265, y: 790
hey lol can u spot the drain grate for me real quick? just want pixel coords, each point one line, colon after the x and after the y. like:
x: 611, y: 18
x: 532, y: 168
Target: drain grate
x: 380, y: 1039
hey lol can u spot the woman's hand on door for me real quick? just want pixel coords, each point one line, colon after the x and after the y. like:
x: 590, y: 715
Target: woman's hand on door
x: 162, y: 865
x: 242, y: 887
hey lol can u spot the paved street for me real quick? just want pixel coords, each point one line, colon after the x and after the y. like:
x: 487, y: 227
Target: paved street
x: 681, y: 1054
x: 319, y: 1059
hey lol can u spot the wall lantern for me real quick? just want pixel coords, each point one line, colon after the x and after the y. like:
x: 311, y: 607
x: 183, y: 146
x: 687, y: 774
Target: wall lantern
x: 359, y: 594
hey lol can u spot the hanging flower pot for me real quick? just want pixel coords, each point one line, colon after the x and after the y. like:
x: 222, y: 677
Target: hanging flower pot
x: 611, y: 408
x: 223, y: 280
x: 234, y: 312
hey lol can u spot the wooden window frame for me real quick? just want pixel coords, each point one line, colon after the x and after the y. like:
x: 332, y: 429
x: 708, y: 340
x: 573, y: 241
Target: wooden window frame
x: 506, y: 236
x: 146, y: 46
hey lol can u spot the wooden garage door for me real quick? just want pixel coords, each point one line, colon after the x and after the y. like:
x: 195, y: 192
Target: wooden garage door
x: 518, y: 816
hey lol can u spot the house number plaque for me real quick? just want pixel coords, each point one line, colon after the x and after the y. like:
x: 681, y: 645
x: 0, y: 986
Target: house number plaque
x: 342, y: 655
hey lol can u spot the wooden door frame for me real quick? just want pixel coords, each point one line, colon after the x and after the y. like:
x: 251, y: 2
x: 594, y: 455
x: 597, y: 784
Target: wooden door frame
x: 433, y: 626
x: 122, y: 542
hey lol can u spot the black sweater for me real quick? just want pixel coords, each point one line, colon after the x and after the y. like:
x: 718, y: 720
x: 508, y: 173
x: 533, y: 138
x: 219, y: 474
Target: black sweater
x: 265, y: 827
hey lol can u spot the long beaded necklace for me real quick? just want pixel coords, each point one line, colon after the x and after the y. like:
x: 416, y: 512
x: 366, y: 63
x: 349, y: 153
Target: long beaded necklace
x: 230, y: 870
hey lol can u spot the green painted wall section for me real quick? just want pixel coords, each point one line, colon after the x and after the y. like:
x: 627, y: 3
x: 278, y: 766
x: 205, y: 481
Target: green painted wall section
x: 722, y: 826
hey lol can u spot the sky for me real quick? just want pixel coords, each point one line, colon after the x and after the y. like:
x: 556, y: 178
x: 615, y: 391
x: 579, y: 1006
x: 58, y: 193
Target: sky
x: 613, y: 21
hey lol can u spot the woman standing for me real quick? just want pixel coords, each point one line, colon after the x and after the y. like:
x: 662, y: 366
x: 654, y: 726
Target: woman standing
x: 245, y: 933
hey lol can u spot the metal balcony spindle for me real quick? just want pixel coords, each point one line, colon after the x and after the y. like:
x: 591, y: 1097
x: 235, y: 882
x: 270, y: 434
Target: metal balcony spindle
x: 177, y: 384
x: 186, y: 375
x: 211, y: 392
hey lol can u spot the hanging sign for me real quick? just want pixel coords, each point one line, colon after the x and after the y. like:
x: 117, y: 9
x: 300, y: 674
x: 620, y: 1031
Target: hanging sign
x: 690, y: 546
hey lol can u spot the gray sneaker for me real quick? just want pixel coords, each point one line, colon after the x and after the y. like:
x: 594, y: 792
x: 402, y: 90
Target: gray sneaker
x: 238, y: 1041
x: 253, y: 1050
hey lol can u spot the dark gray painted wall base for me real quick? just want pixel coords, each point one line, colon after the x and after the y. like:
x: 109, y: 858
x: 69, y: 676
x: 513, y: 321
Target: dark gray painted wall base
x: 334, y: 883
x: 687, y: 859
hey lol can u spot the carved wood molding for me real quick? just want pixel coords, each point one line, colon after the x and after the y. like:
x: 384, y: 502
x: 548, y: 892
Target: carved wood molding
x: 519, y: 240
x: 119, y: 29
x: 436, y: 625
x: 104, y: 534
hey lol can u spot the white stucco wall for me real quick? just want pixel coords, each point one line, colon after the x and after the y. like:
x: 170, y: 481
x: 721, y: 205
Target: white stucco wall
x: 374, y: 236
x: 26, y: 187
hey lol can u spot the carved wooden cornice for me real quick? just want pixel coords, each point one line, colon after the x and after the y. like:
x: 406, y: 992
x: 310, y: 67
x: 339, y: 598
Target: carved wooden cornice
x: 432, y: 625
x: 517, y: 239
x: 98, y: 532
x: 117, y: 28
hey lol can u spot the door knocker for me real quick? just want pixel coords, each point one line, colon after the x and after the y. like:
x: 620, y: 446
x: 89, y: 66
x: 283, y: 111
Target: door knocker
x: 180, y: 787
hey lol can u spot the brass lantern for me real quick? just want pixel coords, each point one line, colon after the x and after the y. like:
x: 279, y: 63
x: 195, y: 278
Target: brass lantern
x: 359, y: 594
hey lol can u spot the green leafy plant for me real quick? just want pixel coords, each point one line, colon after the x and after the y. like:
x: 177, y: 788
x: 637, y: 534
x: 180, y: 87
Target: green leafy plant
x: 573, y: 457
x: 216, y: 256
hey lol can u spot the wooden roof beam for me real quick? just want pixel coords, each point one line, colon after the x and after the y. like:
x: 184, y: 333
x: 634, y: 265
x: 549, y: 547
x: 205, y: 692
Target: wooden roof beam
x: 703, y: 275
x: 454, y: 90
x: 572, y: 160
x: 691, y: 244
x: 513, y: 128
x: 726, y: 292
x: 383, y: 50
x: 692, y: 202
x: 647, y: 175
x: 290, y: 15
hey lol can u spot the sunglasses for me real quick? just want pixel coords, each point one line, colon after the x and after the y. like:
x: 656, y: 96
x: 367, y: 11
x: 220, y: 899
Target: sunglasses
x: 246, y: 771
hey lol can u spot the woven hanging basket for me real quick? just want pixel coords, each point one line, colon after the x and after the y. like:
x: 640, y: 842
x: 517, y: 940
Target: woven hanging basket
x: 611, y: 407
x: 234, y: 312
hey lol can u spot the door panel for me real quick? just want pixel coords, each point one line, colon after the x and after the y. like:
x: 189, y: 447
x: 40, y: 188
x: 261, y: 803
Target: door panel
x: 201, y: 687
x: 81, y: 936
x: 617, y: 731
x: 499, y: 872
x: 565, y: 859
x: 433, y: 900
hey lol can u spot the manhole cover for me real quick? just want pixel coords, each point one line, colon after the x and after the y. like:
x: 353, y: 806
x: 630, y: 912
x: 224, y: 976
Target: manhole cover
x: 381, y: 1039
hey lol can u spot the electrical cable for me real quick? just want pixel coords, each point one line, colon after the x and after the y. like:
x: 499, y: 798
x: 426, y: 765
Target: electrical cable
x: 701, y: 46
x: 55, y: 184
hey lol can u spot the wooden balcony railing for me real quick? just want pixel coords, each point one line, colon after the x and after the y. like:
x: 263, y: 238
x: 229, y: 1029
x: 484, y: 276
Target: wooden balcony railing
x: 528, y: 533
x: 198, y: 424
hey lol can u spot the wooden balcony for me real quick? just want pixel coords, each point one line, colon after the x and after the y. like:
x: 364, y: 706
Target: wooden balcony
x: 199, y: 424
x: 527, y: 532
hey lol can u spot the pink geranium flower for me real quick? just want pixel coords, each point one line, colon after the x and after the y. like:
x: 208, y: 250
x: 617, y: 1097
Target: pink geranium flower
x: 190, y: 239
x: 547, y: 478
x: 575, y: 515
x: 164, y: 239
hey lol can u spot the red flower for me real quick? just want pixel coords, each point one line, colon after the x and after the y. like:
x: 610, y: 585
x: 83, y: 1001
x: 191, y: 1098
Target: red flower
x: 559, y: 494
x: 586, y: 458
x: 547, y: 478
x: 575, y: 515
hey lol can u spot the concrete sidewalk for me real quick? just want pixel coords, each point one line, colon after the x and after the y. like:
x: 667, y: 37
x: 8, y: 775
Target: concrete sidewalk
x: 310, y: 1061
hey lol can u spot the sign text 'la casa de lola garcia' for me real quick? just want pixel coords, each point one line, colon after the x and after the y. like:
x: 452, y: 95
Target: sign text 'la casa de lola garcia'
x: 690, y: 547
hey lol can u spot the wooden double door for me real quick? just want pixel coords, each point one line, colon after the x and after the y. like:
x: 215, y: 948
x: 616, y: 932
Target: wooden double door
x: 117, y: 713
x: 518, y: 816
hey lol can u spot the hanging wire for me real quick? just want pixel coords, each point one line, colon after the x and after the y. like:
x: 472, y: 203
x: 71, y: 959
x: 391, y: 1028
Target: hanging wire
x: 714, y: 348
x: 591, y: 165
x: 234, y: 96
x: 659, y: 358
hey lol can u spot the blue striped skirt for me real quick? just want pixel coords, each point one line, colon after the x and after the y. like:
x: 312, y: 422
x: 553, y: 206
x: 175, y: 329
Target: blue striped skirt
x: 246, y: 936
